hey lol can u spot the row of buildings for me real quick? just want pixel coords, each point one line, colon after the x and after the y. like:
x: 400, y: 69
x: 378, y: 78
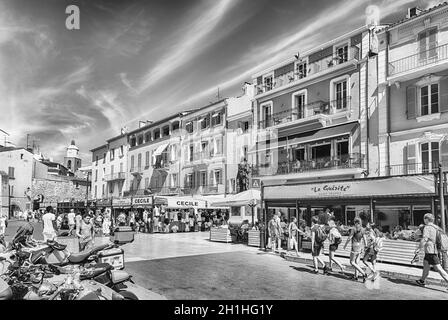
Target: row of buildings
x: 319, y: 129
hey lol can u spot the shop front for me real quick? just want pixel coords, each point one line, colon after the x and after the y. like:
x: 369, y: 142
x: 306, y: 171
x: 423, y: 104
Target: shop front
x: 121, y: 205
x: 395, y: 204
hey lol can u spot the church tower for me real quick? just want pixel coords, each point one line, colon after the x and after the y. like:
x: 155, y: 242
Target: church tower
x: 72, y: 160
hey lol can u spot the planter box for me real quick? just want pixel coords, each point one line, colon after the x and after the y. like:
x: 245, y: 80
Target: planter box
x: 394, y: 251
x: 220, y: 235
x: 253, y: 238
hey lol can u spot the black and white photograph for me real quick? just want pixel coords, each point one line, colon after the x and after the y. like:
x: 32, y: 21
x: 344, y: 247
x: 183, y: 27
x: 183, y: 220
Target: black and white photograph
x: 221, y: 156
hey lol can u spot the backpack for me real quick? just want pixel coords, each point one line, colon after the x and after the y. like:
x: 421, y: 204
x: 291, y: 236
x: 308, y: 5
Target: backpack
x: 378, y: 244
x: 441, y: 240
x: 337, y: 236
x: 321, y: 236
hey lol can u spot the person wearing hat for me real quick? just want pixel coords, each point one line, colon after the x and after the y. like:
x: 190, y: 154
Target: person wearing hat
x: 85, y: 232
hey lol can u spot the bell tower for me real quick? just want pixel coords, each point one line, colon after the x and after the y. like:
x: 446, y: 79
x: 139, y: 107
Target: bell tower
x: 71, y: 159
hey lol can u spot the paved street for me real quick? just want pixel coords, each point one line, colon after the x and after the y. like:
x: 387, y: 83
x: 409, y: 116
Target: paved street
x: 189, y: 266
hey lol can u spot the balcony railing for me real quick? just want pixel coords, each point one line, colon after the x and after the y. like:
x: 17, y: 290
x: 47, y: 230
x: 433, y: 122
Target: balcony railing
x: 205, y: 155
x: 421, y: 59
x: 115, y: 176
x: 204, y: 189
x: 136, y: 170
x: 346, y: 161
x: 312, y: 109
x: 415, y: 168
x: 314, y: 68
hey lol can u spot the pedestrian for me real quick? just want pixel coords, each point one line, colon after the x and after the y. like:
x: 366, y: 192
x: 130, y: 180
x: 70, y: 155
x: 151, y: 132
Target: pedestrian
x: 59, y: 220
x: 293, y: 232
x: 156, y: 214
x: 371, y: 250
x: 2, y: 224
x: 318, y: 237
x: 429, y: 245
x: 145, y: 220
x: 335, y: 238
x: 106, y: 224
x: 71, y: 222
x: 357, y: 238
x: 49, y: 222
x: 85, y: 232
x: 275, y: 232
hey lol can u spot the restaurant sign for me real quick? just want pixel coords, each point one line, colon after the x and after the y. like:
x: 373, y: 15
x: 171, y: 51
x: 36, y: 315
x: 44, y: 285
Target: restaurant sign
x: 141, y: 201
x: 391, y: 186
x: 125, y: 202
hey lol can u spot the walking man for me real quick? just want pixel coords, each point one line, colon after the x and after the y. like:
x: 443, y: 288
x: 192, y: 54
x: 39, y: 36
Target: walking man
x: 49, y: 222
x: 293, y: 231
x: 371, y: 251
x: 85, y: 232
x: 334, y: 237
x: 317, y: 241
x: 429, y: 244
x: 145, y: 221
x: 71, y: 222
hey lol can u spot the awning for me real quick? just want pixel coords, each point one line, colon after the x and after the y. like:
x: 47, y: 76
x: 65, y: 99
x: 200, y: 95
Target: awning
x: 244, y: 198
x: 181, y: 202
x: 315, y: 135
x: 414, y: 186
x: 160, y: 149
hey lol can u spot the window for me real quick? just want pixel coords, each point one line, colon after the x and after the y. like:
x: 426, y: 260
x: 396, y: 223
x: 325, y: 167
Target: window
x: 245, y: 126
x: 341, y: 95
x: 132, y: 163
x: 174, y: 181
x: 156, y: 134
x: 133, y: 142
x: 175, y: 126
x: 69, y: 164
x: 121, y: 151
x: 148, y: 137
x: 104, y: 158
x: 427, y: 44
x: 96, y: 161
x: 205, y: 122
x: 204, y: 148
x: 245, y: 150
x: 190, y: 180
x: 96, y: 175
x: 299, y: 102
x: 216, y: 119
x: 111, y: 188
x: 342, y: 54
x: 139, y: 161
x: 191, y: 152
x: 112, y: 154
x: 268, y: 82
x: 217, y: 177
x: 218, y: 145
x: 140, y: 139
x: 301, y: 70
x: 429, y: 99
x: 203, y: 178
x: 102, y: 190
x: 112, y: 170
x: 121, y: 167
x: 430, y: 156
x: 266, y: 114
x: 21, y: 156
x: 11, y: 172
x: 166, y: 131
x: 146, y: 159
x: 96, y: 192
x: 189, y: 127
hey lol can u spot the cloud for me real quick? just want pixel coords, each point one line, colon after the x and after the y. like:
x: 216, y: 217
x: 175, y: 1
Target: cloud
x: 193, y: 38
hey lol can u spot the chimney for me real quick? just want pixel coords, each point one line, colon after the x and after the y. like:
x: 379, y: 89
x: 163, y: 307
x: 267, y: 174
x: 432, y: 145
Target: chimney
x: 413, y: 12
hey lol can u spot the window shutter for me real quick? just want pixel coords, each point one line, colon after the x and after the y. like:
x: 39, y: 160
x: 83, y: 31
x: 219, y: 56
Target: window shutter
x: 211, y: 178
x: 432, y: 43
x: 443, y: 85
x: 411, y: 158
x: 422, y: 44
x: 411, y: 102
x: 444, y: 154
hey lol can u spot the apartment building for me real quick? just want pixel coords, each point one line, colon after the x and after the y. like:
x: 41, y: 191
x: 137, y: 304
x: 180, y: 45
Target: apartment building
x: 203, y: 165
x: 116, y: 164
x: 154, y: 158
x: 99, y: 167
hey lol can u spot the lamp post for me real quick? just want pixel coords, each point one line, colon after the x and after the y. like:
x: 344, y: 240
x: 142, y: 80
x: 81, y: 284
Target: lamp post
x: 252, y: 204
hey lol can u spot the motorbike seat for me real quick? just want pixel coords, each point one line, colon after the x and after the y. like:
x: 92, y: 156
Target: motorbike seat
x: 119, y: 276
x: 83, y: 255
x: 94, y: 271
x: 56, y: 245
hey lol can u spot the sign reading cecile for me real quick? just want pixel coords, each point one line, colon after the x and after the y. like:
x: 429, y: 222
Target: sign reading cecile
x: 411, y: 185
x: 141, y: 201
x: 183, y: 203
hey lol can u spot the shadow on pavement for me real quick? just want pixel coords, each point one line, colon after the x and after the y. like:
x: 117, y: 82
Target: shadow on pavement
x: 413, y: 283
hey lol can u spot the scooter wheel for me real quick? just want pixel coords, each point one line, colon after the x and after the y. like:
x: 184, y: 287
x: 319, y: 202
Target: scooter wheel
x: 128, y: 295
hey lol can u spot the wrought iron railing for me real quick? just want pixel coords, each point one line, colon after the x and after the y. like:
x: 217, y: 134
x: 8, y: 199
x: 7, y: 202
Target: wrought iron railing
x: 421, y: 59
x: 415, y: 168
x: 316, y: 67
x: 354, y: 160
x: 312, y: 109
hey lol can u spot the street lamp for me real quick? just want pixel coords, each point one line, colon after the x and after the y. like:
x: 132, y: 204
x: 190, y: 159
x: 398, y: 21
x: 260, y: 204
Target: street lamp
x: 252, y: 204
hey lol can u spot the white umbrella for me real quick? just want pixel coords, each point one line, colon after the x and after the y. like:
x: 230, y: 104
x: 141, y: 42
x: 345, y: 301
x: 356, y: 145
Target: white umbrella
x: 250, y: 197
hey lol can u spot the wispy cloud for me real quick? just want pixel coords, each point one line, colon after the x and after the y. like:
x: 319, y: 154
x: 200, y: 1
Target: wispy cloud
x: 191, y: 40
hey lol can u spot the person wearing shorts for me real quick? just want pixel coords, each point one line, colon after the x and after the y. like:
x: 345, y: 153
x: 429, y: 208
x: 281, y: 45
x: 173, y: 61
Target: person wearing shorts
x: 333, y: 235
x: 370, y: 253
x: 316, y: 247
x: 357, y: 240
x: 274, y: 231
x: 428, y: 243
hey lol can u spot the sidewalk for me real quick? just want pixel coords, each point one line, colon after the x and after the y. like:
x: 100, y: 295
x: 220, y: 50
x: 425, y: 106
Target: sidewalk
x: 386, y: 270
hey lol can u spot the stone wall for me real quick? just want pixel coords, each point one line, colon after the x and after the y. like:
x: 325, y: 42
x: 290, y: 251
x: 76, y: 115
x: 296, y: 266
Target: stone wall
x: 58, y: 190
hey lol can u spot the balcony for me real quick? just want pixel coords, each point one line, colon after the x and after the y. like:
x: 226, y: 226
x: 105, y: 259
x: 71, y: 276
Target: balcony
x: 415, y: 168
x: 162, y: 161
x: 423, y: 62
x: 115, y: 176
x: 136, y: 170
x: 308, y: 111
x: 346, y: 161
x: 215, y: 188
x: 316, y: 69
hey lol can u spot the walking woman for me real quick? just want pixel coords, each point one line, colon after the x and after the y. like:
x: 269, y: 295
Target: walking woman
x: 293, y: 232
x: 357, y: 240
x: 334, y: 237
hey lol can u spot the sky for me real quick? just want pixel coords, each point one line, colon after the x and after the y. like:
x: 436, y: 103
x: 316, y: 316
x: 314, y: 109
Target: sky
x: 148, y: 59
